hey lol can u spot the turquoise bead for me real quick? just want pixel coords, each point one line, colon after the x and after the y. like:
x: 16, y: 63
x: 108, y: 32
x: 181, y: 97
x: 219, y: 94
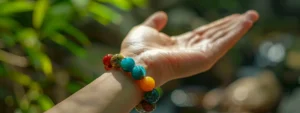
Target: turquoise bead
x: 138, y: 72
x: 152, y: 96
x: 127, y: 64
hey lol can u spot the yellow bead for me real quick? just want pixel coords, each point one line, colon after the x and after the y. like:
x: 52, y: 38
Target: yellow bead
x: 116, y: 60
x: 147, y: 83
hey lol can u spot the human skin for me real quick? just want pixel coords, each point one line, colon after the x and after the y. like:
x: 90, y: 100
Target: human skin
x: 164, y: 57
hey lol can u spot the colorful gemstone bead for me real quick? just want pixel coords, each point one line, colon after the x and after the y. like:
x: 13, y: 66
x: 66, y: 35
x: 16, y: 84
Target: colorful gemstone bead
x: 147, y: 83
x: 151, y: 96
x: 138, y: 72
x: 127, y: 64
x: 106, y: 59
x: 107, y: 67
x: 116, y: 60
x: 160, y: 91
x: 148, y: 107
x: 139, y: 108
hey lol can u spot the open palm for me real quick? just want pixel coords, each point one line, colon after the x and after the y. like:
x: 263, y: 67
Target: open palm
x: 170, y: 57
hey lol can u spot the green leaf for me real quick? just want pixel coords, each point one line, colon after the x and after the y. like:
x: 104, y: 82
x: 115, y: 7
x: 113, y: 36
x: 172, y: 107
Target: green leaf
x: 34, y: 109
x: 4, y: 93
x: 121, y: 4
x: 20, y: 78
x: 24, y: 104
x: 40, y: 61
x: 28, y: 38
x: 102, y: 20
x: 33, y: 56
x: 61, y: 40
x: 3, y: 1
x: 103, y: 14
x: 46, y: 64
x: 73, y: 87
x: 39, y: 12
x: 9, y: 100
x: 16, y: 7
x: 8, y: 23
x: 18, y: 110
x: 77, y: 34
x: 9, y: 41
x: 35, y: 86
x: 33, y: 94
x: 45, y: 102
x: 3, y: 71
x: 80, y: 4
x: 52, y: 26
x: 61, y: 11
x: 140, y: 3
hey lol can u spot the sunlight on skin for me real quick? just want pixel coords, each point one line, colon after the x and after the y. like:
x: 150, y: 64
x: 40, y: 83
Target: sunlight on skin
x: 165, y: 58
x: 187, y: 54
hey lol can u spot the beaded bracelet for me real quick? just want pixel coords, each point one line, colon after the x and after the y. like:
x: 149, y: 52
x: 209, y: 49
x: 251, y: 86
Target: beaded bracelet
x: 146, y: 83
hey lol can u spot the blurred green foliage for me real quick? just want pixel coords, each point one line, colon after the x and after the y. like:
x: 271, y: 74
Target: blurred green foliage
x: 28, y: 30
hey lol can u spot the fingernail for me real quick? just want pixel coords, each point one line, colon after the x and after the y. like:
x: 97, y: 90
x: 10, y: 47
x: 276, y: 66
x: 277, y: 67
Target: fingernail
x: 251, y: 15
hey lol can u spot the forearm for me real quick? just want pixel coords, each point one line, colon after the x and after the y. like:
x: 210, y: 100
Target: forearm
x: 113, y: 92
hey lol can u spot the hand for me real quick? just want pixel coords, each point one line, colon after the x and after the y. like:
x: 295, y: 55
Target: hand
x: 170, y: 57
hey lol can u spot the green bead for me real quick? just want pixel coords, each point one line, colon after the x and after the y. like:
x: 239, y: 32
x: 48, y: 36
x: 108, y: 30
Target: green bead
x: 138, y: 72
x: 127, y: 64
x: 116, y: 60
x: 160, y: 91
x: 152, y: 96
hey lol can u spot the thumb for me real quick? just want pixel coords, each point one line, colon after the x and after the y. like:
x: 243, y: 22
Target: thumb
x: 157, y: 20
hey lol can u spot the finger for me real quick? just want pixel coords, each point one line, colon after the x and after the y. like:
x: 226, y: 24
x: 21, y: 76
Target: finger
x: 222, y: 32
x: 215, y: 30
x: 235, y: 32
x: 216, y: 23
x: 208, y: 30
x: 241, y: 23
x: 252, y: 15
x: 245, y: 24
x: 157, y: 20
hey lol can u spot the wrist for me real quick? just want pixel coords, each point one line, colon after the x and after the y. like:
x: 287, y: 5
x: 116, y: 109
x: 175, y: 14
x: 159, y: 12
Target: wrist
x: 132, y: 69
x: 127, y: 91
x: 124, y: 79
x: 154, y: 69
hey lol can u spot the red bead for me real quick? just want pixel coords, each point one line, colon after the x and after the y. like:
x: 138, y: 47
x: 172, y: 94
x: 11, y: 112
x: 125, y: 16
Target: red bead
x: 148, y: 107
x: 107, y: 67
x: 106, y: 59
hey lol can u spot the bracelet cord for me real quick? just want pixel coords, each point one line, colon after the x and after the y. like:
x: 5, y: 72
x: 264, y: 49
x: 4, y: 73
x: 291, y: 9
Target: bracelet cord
x: 137, y: 72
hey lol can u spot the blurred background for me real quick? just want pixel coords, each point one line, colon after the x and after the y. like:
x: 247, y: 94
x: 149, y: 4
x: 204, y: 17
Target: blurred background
x: 49, y: 49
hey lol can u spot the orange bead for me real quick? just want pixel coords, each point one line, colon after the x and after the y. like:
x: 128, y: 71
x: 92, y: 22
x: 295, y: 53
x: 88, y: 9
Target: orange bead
x: 147, y: 83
